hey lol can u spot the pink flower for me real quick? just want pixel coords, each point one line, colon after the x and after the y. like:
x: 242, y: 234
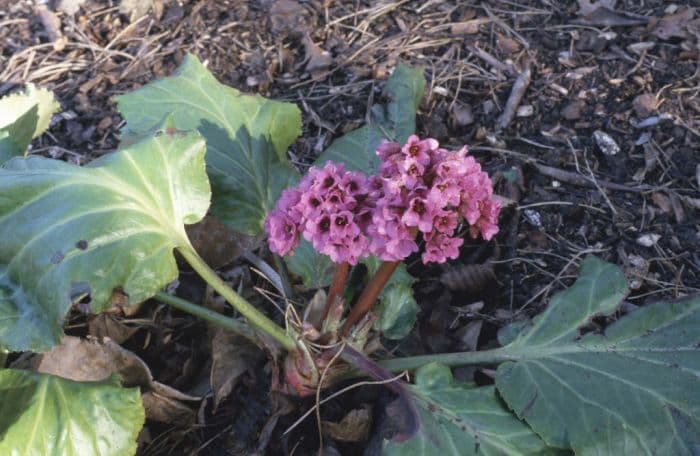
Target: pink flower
x: 445, y: 222
x: 439, y: 247
x: 420, y: 150
x: 487, y: 224
x: 283, y: 232
x: 420, y: 213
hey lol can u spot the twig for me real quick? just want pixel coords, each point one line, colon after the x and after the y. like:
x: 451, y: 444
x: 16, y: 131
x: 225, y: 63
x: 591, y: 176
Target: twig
x: 597, y: 185
x: 577, y: 179
x: 516, y: 94
x: 318, y: 397
x: 497, y: 20
x: 491, y: 60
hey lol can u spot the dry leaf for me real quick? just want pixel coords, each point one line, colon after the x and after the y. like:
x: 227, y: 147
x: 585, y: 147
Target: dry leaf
x: 354, y: 427
x: 674, y: 25
x: 316, y: 58
x: 70, y: 7
x: 507, y: 45
x: 231, y: 356
x: 105, y: 325
x: 603, y: 13
x: 163, y: 409
x: 645, y: 104
x: 470, y: 27
x: 217, y: 244
x: 662, y: 201
x: 91, y: 360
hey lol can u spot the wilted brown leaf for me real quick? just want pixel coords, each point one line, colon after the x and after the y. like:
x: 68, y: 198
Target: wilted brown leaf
x: 354, y: 427
x: 232, y: 355
x: 91, y: 360
x: 674, y: 25
x: 105, y: 325
x: 217, y: 244
x: 316, y: 58
x: 163, y: 409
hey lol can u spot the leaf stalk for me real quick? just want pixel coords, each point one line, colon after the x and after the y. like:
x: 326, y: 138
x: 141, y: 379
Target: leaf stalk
x: 209, y: 315
x: 254, y: 316
x: 490, y: 357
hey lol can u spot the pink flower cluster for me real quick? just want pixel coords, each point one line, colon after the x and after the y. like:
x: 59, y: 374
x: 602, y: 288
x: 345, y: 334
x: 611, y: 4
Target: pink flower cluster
x: 420, y: 188
x: 329, y: 208
x: 428, y: 189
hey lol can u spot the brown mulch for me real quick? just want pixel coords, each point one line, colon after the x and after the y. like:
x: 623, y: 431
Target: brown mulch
x: 600, y: 155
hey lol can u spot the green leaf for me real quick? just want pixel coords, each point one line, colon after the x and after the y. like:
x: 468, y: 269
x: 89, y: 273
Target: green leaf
x: 15, y: 105
x: 247, y: 138
x: 459, y: 419
x: 400, y: 276
x: 109, y: 225
x: 315, y: 270
x: 397, y: 308
x: 15, y: 138
x: 510, y: 332
x: 24, y: 116
x: 395, y: 121
x: 46, y: 415
x: 632, y: 390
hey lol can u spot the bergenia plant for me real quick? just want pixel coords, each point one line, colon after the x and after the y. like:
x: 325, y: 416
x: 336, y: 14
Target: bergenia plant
x: 77, y: 236
x: 421, y: 191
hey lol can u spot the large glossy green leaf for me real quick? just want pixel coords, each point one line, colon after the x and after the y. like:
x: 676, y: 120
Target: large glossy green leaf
x: 113, y: 224
x: 45, y: 415
x: 635, y: 389
x: 24, y: 116
x: 395, y: 121
x: 461, y: 420
x: 247, y: 138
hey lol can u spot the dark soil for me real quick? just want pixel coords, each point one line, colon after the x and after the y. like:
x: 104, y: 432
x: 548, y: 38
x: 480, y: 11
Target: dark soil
x: 637, y: 208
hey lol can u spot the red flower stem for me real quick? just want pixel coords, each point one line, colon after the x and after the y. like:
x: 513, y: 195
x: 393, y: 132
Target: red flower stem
x: 369, y: 295
x: 337, y: 286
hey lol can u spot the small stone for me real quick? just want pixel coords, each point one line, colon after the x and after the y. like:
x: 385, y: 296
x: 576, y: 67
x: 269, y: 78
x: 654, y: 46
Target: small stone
x: 644, y: 105
x: 606, y: 143
x: 462, y: 114
x: 533, y: 217
x: 648, y: 240
x: 525, y: 111
x: 572, y: 111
